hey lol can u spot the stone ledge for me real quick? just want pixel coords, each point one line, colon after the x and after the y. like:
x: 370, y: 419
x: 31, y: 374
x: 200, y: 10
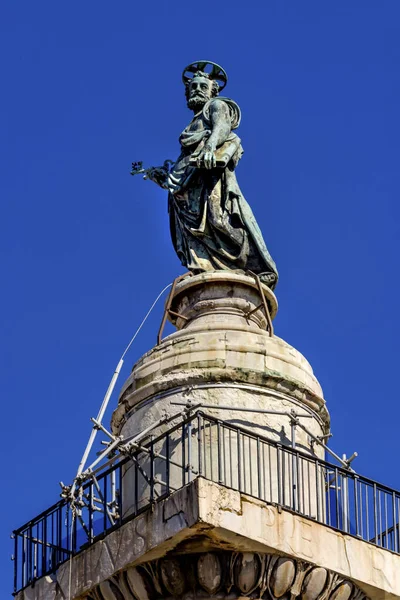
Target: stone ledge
x: 204, y: 516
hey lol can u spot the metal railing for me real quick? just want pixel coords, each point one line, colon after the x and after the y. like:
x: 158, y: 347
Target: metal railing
x: 221, y: 452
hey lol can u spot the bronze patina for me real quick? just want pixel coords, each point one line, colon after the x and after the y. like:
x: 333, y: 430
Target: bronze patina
x: 212, y: 225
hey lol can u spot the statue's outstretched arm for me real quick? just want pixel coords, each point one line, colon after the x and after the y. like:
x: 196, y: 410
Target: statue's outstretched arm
x: 221, y: 129
x: 157, y: 174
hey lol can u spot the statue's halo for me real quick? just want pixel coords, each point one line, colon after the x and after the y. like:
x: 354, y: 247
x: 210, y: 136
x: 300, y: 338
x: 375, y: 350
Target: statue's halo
x: 214, y: 71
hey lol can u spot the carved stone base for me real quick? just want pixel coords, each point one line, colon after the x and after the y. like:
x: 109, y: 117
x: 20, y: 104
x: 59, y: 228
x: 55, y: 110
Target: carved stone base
x: 228, y: 575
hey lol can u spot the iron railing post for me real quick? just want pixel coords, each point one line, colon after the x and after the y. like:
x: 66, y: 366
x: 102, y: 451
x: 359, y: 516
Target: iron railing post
x: 199, y: 446
x: 220, y: 479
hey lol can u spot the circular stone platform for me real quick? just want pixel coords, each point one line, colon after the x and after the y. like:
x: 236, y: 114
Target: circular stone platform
x: 221, y: 297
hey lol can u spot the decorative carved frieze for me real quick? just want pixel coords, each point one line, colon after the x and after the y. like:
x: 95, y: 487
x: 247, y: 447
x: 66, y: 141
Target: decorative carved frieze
x: 227, y: 575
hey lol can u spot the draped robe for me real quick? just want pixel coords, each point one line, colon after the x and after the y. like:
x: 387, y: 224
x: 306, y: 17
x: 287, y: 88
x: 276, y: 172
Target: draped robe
x: 212, y: 225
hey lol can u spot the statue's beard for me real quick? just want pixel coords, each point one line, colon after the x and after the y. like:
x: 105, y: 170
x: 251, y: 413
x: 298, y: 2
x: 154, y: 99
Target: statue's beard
x: 197, y: 102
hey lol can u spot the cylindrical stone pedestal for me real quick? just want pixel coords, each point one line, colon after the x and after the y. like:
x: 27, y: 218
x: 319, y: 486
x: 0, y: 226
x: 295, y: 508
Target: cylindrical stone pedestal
x: 223, y: 360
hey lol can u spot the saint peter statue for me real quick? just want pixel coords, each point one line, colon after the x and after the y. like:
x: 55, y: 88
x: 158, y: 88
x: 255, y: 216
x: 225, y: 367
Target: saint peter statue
x: 212, y: 225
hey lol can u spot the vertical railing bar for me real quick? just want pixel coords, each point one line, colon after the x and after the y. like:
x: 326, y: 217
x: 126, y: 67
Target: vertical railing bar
x: 326, y: 493
x: 35, y: 553
x: 356, y: 508
x: 244, y: 462
x: 91, y: 513
x: 30, y: 570
x: 309, y: 489
x: 167, y: 463
x: 386, y: 520
x: 199, y: 448
x: 239, y: 461
x: 52, y: 549
x: 300, y: 483
x: 230, y: 457
x: 298, y: 486
x: 57, y: 544
x: 398, y: 525
x: 24, y: 560
x: 292, y: 479
x: 136, y: 504
x: 367, y: 511
x: 258, y: 469
x: 344, y: 494
x: 394, y: 522
x: 118, y: 494
x: 270, y: 473
x: 337, y: 498
x: 284, y: 477
x: 224, y: 454
x: 317, y: 490
x: 67, y: 527
x: 278, y: 463
x: 204, y: 447
x: 380, y: 511
x: 189, y: 451
x: 44, y: 547
x: 40, y: 569
x: 263, y: 471
x: 183, y: 455
x: 250, y: 466
x: 30, y: 555
x: 219, y: 452
x: 211, y: 450
x: 74, y: 534
x: 349, y: 513
x: 113, y: 504
x: 342, y: 501
x: 105, y: 506
x: 151, y: 469
x: 16, y: 540
x: 375, y: 515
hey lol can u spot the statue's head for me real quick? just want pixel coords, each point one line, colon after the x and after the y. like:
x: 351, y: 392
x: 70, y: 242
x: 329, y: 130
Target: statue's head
x: 200, y: 90
x: 202, y: 83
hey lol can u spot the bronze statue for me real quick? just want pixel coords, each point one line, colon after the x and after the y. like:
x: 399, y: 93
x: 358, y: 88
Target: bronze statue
x: 212, y: 225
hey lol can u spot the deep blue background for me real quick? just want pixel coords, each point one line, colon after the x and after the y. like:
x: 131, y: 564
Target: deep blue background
x: 87, y: 87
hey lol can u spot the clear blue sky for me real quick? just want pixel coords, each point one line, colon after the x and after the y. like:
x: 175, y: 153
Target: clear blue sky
x: 88, y: 87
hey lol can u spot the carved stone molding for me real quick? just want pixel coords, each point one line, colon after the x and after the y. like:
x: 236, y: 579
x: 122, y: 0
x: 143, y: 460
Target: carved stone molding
x: 227, y: 575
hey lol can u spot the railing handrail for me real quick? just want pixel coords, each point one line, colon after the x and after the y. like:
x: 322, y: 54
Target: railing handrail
x: 190, y: 418
x: 322, y: 493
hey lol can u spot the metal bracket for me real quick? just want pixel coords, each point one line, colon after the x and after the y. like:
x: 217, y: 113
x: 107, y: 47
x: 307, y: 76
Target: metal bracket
x: 264, y: 304
x: 168, y: 310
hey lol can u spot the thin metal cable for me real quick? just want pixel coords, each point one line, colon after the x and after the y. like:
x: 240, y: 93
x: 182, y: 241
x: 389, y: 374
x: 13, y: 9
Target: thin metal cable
x: 145, y: 319
x: 104, y: 407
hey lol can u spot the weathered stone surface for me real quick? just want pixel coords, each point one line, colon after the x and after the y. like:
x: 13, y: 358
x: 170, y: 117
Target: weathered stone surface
x: 209, y: 572
x: 314, y: 583
x: 282, y: 577
x: 247, y: 571
x: 45, y: 589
